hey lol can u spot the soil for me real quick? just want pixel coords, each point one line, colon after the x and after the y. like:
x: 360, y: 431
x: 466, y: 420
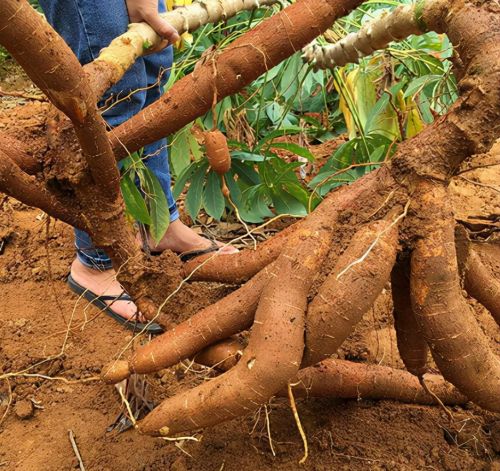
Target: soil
x: 53, y: 346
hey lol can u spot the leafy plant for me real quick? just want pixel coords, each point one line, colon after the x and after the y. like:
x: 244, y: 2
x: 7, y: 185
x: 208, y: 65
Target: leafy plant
x: 145, y: 200
x: 386, y: 98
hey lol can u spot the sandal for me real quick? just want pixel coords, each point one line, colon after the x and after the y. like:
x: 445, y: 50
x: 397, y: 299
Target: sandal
x: 186, y: 256
x: 100, y: 302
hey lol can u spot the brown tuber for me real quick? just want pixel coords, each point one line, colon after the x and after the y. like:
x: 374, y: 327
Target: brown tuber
x: 217, y: 151
x: 115, y: 372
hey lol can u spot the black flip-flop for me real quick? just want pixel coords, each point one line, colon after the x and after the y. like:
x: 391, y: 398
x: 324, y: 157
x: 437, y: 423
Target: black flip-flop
x: 100, y: 302
x: 186, y: 256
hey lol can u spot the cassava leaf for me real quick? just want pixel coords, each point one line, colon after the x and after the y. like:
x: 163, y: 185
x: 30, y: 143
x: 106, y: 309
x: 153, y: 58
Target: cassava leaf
x: 158, y: 205
x: 134, y: 201
x: 195, y: 192
x: 213, y: 199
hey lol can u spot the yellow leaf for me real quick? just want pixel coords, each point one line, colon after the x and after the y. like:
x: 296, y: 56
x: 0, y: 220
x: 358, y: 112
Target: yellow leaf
x: 344, y: 89
x: 414, y: 122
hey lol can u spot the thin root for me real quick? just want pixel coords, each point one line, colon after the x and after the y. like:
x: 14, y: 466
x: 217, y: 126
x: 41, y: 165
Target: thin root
x: 293, y: 406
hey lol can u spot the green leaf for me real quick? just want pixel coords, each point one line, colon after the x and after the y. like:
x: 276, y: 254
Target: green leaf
x: 274, y: 112
x: 158, y: 205
x: 234, y: 189
x: 376, y: 111
x: 182, y: 147
x: 134, y: 202
x: 418, y: 84
x: 294, y: 148
x: 246, y: 173
x: 340, y: 159
x: 213, y: 199
x: 288, y: 131
x: 195, y: 192
x: 378, y: 154
x: 284, y: 203
x: 298, y: 192
x: 247, y: 156
x: 255, y: 204
x: 182, y: 179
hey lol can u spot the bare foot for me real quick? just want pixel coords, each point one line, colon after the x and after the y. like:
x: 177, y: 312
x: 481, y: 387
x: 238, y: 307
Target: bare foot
x: 104, y: 283
x: 180, y: 238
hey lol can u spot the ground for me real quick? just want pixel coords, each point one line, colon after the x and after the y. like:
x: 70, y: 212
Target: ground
x: 46, y: 331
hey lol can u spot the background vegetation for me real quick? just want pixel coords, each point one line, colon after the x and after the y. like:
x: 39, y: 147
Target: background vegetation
x: 386, y: 98
x: 368, y: 108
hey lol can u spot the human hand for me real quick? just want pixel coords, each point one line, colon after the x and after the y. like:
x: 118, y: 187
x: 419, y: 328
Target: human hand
x: 147, y: 11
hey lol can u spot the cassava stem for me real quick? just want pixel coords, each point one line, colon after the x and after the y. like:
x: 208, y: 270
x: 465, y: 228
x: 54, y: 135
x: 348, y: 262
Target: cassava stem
x: 140, y: 39
x: 262, y: 48
x: 374, y: 35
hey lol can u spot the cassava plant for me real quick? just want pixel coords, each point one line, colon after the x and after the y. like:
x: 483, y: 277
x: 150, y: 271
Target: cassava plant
x: 304, y: 290
x: 386, y: 98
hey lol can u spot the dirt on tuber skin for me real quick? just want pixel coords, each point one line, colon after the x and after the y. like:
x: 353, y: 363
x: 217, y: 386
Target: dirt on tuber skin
x: 350, y: 289
x: 214, y: 323
x: 363, y: 197
x: 273, y: 357
x: 273, y: 354
x: 481, y: 282
x: 217, y: 151
x: 458, y: 346
x: 349, y: 380
x: 222, y: 355
x: 346, y: 379
x: 412, y: 346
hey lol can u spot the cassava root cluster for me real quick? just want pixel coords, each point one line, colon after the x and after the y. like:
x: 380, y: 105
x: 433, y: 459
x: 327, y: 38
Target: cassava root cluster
x: 393, y: 224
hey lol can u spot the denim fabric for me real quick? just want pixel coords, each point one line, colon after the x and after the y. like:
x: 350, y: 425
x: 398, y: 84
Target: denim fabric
x: 88, y: 26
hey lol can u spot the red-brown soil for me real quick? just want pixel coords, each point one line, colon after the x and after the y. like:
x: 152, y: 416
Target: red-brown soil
x: 40, y: 319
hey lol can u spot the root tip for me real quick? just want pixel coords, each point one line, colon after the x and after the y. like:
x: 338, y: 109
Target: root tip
x: 115, y: 372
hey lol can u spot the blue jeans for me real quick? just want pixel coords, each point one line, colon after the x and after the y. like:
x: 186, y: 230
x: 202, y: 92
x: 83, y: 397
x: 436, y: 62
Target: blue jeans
x: 87, y: 26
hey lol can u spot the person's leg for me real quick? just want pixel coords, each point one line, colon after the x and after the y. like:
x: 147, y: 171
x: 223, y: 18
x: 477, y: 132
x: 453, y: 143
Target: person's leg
x: 179, y: 238
x: 87, y: 26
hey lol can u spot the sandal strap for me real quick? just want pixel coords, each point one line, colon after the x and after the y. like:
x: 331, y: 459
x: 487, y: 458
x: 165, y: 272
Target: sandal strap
x: 123, y: 296
x: 186, y: 256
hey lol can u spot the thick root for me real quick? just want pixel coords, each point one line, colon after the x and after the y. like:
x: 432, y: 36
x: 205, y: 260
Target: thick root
x: 56, y: 70
x: 459, y: 347
x: 272, y: 357
x: 356, y: 281
x: 18, y: 184
x: 239, y: 267
x: 348, y: 380
x: 217, y: 151
x: 481, y: 283
x: 364, y: 197
x: 222, y: 355
x: 216, y: 322
x: 16, y: 151
x: 412, y: 346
